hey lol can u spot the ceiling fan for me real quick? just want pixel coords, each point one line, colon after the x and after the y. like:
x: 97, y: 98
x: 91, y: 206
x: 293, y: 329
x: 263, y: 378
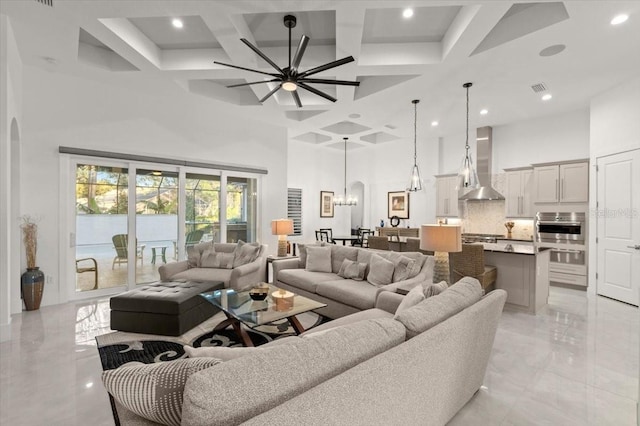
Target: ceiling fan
x: 290, y: 78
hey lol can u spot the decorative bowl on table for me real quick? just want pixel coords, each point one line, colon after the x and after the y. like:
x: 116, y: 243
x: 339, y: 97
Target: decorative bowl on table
x: 259, y: 292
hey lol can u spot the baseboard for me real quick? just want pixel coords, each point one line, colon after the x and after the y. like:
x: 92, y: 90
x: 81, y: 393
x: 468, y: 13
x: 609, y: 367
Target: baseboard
x: 5, y: 332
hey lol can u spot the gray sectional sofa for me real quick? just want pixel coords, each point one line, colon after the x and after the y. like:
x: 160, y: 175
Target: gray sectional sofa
x: 368, y: 368
x: 240, y: 277
x: 345, y: 296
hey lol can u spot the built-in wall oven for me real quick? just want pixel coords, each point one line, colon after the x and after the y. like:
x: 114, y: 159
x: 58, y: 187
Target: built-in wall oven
x: 564, y: 234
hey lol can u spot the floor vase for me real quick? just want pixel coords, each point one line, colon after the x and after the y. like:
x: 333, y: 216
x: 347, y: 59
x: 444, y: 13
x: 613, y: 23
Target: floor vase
x: 32, y: 286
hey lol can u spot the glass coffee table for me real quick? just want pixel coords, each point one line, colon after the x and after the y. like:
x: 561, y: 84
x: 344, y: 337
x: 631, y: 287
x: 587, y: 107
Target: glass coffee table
x: 241, y: 309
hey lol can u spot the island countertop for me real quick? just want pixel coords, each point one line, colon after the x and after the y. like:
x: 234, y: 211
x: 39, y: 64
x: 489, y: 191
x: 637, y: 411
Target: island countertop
x: 513, y: 248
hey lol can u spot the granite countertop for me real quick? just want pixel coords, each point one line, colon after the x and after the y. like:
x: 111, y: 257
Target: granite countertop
x: 530, y: 240
x: 512, y: 248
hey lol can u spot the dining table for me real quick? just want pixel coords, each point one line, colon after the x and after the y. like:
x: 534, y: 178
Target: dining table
x: 344, y: 239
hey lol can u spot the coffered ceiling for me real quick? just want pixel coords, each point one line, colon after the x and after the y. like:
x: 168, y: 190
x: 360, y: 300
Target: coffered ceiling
x: 497, y: 45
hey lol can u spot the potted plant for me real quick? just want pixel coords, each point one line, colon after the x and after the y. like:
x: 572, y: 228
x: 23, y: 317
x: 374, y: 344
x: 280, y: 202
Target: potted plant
x: 32, y: 281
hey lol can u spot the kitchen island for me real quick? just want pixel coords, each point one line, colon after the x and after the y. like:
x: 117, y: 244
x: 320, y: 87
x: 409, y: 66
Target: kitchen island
x: 523, y: 272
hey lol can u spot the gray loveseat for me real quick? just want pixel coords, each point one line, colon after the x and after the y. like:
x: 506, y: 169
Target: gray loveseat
x: 345, y: 296
x: 238, y: 278
x: 363, y: 369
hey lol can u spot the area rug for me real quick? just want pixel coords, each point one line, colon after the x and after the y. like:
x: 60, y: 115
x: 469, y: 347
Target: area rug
x: 119, y: 347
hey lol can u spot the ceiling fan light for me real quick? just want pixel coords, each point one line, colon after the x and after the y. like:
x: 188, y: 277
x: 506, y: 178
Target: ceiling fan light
x: 289, y: 86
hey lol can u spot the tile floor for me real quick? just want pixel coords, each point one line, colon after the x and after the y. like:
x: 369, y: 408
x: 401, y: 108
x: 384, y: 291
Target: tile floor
x: 574, y: 364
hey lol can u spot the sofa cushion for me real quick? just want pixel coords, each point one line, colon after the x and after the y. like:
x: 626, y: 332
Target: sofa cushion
x: 154, y: 391
x: 245, y: 253
x: 318, y: 259
x: 305, y: 280
x: 435, y: 289
x: 434, y: 310
x: 193, y: 257
x: 279, y: 373
x: 415, y: 296
x: 223, y: 353
x: 340, y: 253
x: 380, y: 271
x: 402, y: 265
x: 352, y: 270
x: 349, y: 319
x: 204, y: 274
x: 358, y: 294
x: 213, y: 259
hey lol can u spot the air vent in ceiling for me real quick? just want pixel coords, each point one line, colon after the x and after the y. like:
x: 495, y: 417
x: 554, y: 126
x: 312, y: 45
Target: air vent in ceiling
x: 538, y: 87
x: 46, y: 2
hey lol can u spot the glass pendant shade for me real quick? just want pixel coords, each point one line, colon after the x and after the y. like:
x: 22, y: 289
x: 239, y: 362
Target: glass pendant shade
x: 467, y: 176
x: 345, y: 200
x: 415, y: 182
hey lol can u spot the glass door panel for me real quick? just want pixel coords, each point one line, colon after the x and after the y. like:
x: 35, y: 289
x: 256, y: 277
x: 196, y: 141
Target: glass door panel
x: 202, y: 212
x: 156, y: 222
x: 241, y: 209
x: 101, y: 196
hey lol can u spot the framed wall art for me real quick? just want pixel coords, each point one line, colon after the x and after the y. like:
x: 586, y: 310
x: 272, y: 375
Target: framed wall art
x: 326, y: 203
x: 398, y: 204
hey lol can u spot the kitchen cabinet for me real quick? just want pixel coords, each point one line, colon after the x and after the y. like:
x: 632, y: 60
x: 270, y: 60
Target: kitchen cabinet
x: 446, y: 196
x: 518, y: 193
x: 561, y: 183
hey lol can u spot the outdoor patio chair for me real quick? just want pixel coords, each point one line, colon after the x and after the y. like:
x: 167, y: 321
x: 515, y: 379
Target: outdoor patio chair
x: 88, y: 268
x: 120, y: 244
x: 193, y: 238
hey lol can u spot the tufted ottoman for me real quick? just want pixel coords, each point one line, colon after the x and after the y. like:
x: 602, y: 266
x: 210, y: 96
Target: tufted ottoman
x: 166, y: 308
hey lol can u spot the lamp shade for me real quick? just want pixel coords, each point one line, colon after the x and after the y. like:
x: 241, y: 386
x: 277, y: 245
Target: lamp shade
x: 442, y: 238
x: 282, y: 227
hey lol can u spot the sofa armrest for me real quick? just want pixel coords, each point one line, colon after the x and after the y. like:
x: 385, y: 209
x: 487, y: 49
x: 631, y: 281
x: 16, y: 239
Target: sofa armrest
x: 246, y: 276
x: 281, y: 264
x: 170, y: 269
x: 388, y: 301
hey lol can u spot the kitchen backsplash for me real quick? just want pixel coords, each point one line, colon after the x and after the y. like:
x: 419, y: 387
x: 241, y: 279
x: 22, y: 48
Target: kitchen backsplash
x: 488, y: 217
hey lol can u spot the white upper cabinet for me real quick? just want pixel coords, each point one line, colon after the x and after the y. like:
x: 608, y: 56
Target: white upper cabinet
x: 561, y: 183
x: 446, y: 196
x: 518, y: 193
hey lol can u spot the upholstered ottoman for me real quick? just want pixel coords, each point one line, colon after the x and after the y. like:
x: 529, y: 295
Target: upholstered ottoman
x: 166, y: 308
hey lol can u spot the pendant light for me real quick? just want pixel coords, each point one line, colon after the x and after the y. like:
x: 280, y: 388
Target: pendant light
x: 415, y: 183
x: 467, y: 177
x: 344, y: 200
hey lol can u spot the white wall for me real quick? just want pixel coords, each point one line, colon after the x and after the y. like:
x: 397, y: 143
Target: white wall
x: 114, y: 113
x: 10, y: 113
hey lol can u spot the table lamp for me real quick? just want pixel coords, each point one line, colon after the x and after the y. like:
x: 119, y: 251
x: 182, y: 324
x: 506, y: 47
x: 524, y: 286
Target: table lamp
x: 282, y: 228
x: 442, y: 240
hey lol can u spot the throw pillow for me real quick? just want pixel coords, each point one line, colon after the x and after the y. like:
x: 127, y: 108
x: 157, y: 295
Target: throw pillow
x: 417, y: 266
x: 219, y: 352
x: 318, y: 259
x: 193, y: 257
x: 380, y: 271
x: 402, y: 266
x: 415, y: 296
x: 352, y: 270
x: 435, y: 289
x: 302, y: 250
x: 245, y: 253
x: 154, y: 391
x: 212, y: 259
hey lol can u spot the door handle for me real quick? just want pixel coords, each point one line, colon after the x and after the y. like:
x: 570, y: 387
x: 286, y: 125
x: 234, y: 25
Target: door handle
x: 635, y: 247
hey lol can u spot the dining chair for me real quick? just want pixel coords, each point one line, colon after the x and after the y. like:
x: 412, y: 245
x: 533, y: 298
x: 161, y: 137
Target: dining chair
x: 363, y: 237
x: 329, y: 232
x: 470, y: 263
x: 377, y: 242
x: 323, y: 236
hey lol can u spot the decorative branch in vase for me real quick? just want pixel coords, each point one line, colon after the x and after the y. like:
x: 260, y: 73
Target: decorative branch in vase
x: 509, y: 225
x: 32, y: 281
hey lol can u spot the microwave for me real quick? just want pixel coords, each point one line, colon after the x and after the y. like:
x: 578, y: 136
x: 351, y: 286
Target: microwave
x: 560, y: 227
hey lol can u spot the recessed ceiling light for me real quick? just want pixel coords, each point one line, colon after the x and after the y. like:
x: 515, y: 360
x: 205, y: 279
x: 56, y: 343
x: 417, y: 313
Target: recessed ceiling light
x: 484, y: 111
x: 354, y: 115
x: 434, y: 123
x: 546, y: 96
x: 88, y: 385
x: 177, y: 23
x: 619, y: 19
x: 407, y: 13
x: 552, y: 50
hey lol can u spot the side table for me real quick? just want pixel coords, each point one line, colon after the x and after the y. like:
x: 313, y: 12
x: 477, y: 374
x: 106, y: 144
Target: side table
x: 163, y: 253
x: 270, y: 260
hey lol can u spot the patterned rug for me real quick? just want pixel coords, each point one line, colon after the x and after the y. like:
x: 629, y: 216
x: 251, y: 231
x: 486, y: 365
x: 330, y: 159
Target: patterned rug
x: 119, y: 347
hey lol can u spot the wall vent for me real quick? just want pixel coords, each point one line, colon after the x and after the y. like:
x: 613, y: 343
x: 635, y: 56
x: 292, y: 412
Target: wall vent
x: 294, y: 209
x: 46, y: 2
x: 539, y: 87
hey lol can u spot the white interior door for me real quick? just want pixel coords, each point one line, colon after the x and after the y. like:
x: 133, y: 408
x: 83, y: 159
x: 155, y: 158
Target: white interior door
x: 618, y: 198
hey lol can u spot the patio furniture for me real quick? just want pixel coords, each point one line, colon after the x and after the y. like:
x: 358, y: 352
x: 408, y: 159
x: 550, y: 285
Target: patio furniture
x: 120, y: 244
x: 158, y: 251
x: 165, y: 308
x: 91, y: 267
x: 193, y: 238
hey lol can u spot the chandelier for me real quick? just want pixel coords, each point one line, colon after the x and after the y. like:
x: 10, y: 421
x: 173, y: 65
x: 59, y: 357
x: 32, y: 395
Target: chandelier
x: 345, y: 200
x: 467, y: 176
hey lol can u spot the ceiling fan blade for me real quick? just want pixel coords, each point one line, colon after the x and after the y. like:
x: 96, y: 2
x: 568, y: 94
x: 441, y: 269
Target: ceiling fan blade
x: 271, y: 93
x: 262, y: 55
x: 327, y: 81
x: 316, y: 91
x: 296, y: 98
x: 253, y: 82
x: 246, y: 69
x: 327, y: 66
x: 302, y: 46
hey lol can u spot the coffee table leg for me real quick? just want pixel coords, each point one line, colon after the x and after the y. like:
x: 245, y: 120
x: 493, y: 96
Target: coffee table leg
x: 297, y: 327
x: 237, y: 327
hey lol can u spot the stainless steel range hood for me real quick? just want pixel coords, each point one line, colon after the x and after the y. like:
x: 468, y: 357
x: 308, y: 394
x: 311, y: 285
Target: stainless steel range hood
x: 483, y: 164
